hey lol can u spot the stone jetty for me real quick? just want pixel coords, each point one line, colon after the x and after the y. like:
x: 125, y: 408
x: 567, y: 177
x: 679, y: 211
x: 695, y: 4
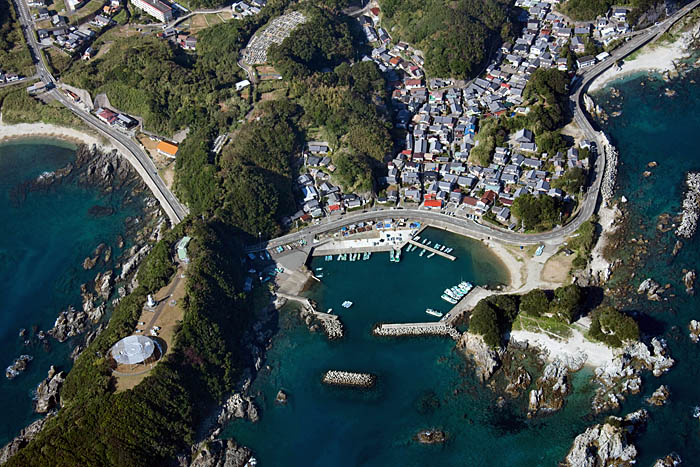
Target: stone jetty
x: 331, y: 325
x: 607, y: 187
x: 691, y: 206
x: 349, y: 378
x: 416, y: 329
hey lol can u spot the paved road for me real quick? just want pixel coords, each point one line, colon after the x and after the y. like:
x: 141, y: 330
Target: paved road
x: 474, y: 229
x: 129, y: 148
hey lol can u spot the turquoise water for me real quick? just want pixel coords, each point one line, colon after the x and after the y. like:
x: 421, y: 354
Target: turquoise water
x: 422, y: 382
x: 654, y: 127
x: 45, y: 238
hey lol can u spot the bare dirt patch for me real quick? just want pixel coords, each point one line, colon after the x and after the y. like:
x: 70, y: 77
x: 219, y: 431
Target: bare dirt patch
x: 557, y: 268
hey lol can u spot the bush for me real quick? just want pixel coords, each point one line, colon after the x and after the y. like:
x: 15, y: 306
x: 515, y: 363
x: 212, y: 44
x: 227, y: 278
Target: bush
x: 613, y: 327
x: 484, y: 321
x: 537, y: 212
x: 534, y: 303
x: 567, y: 303
x: 157, y: 268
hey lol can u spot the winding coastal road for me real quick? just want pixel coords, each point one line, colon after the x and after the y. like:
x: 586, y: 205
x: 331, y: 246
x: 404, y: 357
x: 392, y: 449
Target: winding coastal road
x: 474, y: 229
x: 129, y: 148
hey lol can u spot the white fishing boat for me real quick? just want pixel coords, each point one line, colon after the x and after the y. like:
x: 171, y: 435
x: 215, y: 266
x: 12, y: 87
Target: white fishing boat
x: 329, y: 311
x: 347, y: 304
x: 448, y: 299
x: 430, y: 311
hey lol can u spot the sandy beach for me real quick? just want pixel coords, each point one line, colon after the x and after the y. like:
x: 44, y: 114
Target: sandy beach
x: 597, y: 354
x: 28, y: 130
x: 654, y: 57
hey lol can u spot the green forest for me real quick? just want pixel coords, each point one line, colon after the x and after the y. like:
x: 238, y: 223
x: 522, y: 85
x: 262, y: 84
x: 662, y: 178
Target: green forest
x: 493, y: 316
x: 14, y: 55
x: 456, y: 37
x: 582, y: 10
x: 150, y: 424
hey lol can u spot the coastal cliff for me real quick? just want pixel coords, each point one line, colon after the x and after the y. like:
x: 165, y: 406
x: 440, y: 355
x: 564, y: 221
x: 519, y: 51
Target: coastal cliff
x: 486, y: 359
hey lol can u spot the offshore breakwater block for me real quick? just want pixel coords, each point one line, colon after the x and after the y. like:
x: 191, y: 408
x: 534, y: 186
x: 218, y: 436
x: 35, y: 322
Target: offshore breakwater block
x: 349, y: 379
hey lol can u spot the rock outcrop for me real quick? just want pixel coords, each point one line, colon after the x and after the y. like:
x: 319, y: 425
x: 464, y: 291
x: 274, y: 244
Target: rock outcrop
x: 220, y: 453
x: 486, y: 359
x: 136, y: 255
x: 608, y: 443
x: 689, y: 281
x: 68, y: 324
x: 694, y: 328
x: 238, y: 406
x: 21, y: 440
x: 660, y: 396
x: 651, y: 288
x: 622, y: 375
x: 432, y: 436
x: 18, y: 366
x: 672, y: 460
x: 47, y: 393
x: 518, y: 382
x: 553, y: 386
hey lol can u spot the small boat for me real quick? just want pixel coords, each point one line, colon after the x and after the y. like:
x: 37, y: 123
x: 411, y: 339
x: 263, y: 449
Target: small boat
x: 319, y: 269
x: 319, y: 276
x: 397, y: 258
x: 329, y: 311
x: 449, y: 250
x: 391, y: 256
x: 347, y: 304
x: 431, y: 255
x: 442, y: 248
x: 416, y: 238
x: 539, y: 251
x: 696, y: 412
x: 430, y: 311
x: 448, y: 299
x: 424, y: 240
x: 422, y: 252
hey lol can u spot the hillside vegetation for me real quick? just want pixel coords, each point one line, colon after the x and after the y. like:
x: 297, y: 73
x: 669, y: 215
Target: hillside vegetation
x: 14, y: 55
x: 456, y: 37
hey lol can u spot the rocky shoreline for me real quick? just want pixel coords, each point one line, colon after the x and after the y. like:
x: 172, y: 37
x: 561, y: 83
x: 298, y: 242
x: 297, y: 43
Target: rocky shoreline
x: 109, y: 172
x: 691, y: 206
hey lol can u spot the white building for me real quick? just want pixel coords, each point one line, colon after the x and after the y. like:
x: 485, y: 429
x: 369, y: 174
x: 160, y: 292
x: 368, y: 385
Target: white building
x: 155, y: 8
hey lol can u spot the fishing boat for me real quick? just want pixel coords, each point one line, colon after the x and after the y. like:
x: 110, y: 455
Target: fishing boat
x: 391, y: 256
x: 442, y: 248
x: 448, y: 299
x: 422, y: 252
x: 347, y: 304
x: 430, y: 311
x: 319, y: 276
x: 696, y: 411
x: 539, y: 251
x: 431, y: 255
x: 319, y: 269
x: 449, y: 250
x: 416, y: 238
x: 329, y: 311
x: 424, y: 240
x: 398, y: 255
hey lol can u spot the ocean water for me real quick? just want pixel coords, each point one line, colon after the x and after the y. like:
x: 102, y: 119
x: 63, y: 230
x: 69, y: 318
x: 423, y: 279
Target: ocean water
x: 45, y: 237
x: 664, y: 129
x: 422, y: 382
x: 426, y: 383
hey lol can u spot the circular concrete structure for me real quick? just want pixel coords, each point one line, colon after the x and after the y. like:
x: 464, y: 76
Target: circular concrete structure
x: 133, y: 349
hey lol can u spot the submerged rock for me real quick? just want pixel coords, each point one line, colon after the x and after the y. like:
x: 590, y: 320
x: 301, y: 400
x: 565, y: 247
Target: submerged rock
x: 607, y: 443
x: 432, y: 436
x: 487, y: 359
x: 281, y: 397
x: 47, y: 393
x: 651, y: 288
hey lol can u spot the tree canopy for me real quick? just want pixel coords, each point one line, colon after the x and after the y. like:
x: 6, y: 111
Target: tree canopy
x: 613, y: 327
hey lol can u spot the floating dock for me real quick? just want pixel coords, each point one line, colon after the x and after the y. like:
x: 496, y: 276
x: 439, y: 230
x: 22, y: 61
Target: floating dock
x: 433, y: 250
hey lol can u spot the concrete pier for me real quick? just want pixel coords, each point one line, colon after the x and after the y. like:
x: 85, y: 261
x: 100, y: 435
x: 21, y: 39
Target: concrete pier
x: 433, y: 250
x: 439, y: 328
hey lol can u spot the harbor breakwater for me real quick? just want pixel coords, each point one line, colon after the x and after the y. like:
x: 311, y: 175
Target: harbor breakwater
x: 607, y: 187
x: 349, y: 378
x: 416, y: 329
x: 691, y: 206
